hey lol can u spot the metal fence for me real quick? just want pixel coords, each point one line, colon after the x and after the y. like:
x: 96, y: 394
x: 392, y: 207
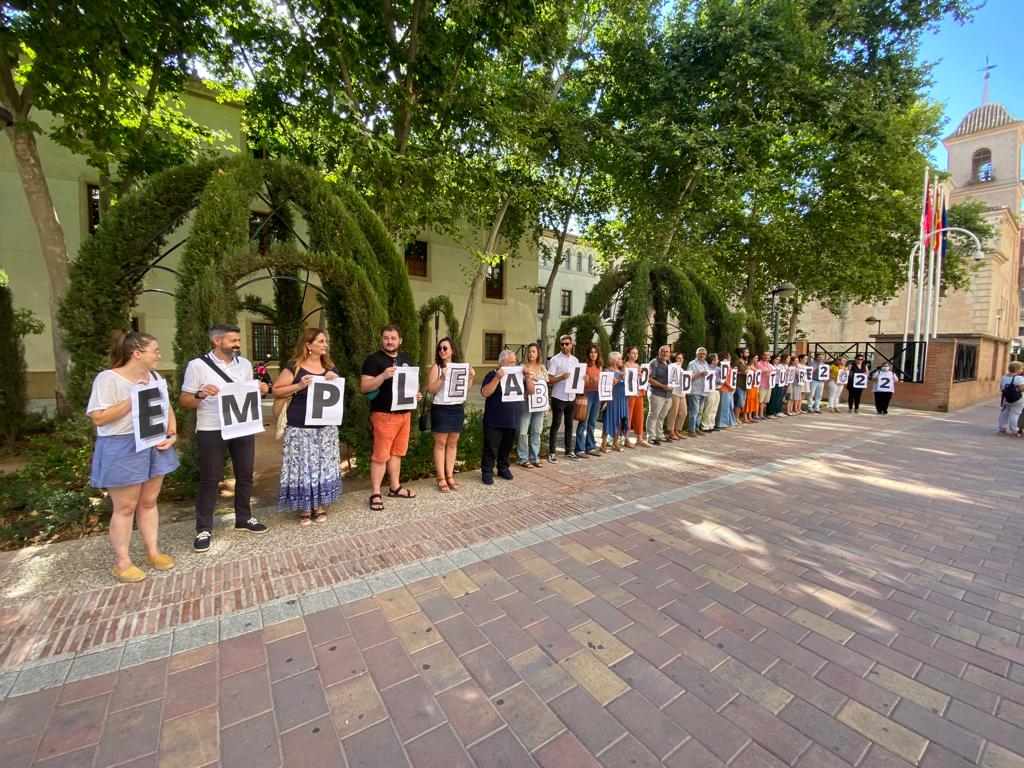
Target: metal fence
x: 906, y: 358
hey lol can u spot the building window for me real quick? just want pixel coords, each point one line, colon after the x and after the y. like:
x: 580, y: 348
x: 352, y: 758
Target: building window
x: 493, y: 344
x: 568, y: 259
x: 981, y: 166
x: 264, y: 342
x: 579, y: 262
x: 496, y: 281
x: 259, y: 231
x: 590, y: 263
x: 136, y: 324
x: 93, y: 202
x: 566, y: 303
x: 965, y: 367
x: 606, y: 313
x: 540, y: 301
x: 416, y: 258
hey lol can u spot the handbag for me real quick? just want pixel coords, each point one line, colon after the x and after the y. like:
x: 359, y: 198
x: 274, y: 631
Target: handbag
x: 280, y: 411
x: 424, y: 422
x: 580, y: 414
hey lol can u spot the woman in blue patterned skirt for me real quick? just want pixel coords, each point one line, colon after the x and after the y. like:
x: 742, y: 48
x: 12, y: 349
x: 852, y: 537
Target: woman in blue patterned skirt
x: 311, y: 460
x: 616, y: 412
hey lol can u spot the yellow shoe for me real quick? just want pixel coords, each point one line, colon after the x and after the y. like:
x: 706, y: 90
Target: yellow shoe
x: 161, y: 562
x: 130, y: 575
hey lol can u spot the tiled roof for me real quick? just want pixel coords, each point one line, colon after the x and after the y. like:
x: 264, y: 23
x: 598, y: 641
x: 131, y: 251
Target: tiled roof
x: 984, y: 118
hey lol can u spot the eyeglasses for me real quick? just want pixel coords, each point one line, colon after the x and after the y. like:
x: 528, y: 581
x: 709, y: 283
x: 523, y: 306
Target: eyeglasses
x: 444, y: 349
x: 566, y: 343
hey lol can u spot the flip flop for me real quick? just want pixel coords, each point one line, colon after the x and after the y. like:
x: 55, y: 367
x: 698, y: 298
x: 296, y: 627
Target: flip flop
x: 400, y: 493
x: 378, y: 505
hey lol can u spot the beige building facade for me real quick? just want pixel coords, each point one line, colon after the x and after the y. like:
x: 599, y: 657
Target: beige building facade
x: 984, y: 163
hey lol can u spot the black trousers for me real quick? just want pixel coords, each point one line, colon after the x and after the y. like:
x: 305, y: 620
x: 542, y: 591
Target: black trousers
x: 854, y: 398
x: 498, y: 443
x: 560, y: 409
x: 213, y: 449
x: 882, y: 400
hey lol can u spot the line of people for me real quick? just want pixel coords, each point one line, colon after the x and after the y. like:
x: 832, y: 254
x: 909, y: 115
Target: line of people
x: 310, y: 470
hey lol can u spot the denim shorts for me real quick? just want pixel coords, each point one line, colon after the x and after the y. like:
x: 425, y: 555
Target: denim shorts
x: 116, y: 464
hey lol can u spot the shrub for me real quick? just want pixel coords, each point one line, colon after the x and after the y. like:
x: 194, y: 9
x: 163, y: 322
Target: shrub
x: 13, y: 381
x: 419, y: 460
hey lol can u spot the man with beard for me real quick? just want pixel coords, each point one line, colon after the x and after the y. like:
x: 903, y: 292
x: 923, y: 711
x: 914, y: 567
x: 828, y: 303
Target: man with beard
x: 390, y: 429
x: 199, y: 389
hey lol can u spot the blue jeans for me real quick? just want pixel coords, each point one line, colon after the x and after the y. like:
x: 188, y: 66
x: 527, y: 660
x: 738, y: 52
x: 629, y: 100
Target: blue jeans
x: 695, y: 406
x: 530, y: 427
x: 585, y: 430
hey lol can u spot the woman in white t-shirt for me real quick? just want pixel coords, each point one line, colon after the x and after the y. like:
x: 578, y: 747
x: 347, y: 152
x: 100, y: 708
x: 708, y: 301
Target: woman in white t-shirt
x: 132, y: 477
x: 1009, y: 413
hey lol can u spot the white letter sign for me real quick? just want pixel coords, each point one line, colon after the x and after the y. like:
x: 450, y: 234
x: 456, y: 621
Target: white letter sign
x: 456, y: 383
x: 632, y: 382
x: 239, y: 408
x: 842, y: 377
x: 750, y: 379
x: 605, y: 382
x: 325, y: 402
x: 860, y: 380
x: 674, y: 369
x: 773, y: 378
x: 709, y: 380
x: 821, y: 372
x: 886, y: 382
x: 733, y: 378
x: 149, y: 413
x: 404, y: 388
x: 757, y: 378
x: 539, y: 398
x: 685, y: 383
x: 512, y: 388
x: 577, y: 380
x: 645, y: 377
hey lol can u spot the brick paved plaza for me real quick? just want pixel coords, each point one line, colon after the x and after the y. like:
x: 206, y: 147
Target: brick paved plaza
x: 814, y: 592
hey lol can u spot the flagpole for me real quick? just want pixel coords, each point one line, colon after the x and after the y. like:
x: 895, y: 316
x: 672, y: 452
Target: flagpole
x: 910, y: 275
x: 925, y: 223
x: 940, y: 250
x: 930, y: 243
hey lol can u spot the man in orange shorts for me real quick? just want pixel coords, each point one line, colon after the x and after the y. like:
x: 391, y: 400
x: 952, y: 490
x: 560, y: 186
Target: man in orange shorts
x: 390, y: 429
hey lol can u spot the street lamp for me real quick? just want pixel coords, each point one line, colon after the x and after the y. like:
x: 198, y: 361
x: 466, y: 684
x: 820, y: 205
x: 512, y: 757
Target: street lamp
x: 785, y: 290
x: 873, y: 319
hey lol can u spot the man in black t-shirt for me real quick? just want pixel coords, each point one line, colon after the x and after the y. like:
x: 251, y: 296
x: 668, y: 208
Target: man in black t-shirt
x: 390, y: 429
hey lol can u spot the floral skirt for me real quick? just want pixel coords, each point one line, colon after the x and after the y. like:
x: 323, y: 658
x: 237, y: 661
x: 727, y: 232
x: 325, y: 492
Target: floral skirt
x: 310, y: 468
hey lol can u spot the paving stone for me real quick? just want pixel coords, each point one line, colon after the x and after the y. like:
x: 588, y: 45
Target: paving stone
x: 244, y: 695
x: 438, y: 749
x: 501, y: 750
x: 469, y: 712
x: 312, y: 745
x: 189, y: 741
x: 355, y: 705
x: 73, y: 726
x: 374, y: 747
x: 252, y: 743
x: 298, y: 700
x: 881, y: 730
x: 599, y: 681
x: 412, y: 708
x: 587, y: 719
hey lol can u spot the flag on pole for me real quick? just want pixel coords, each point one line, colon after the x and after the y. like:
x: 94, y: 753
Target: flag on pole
x: 926, y: 219
x: 936, y: 219
x: 944, y: 223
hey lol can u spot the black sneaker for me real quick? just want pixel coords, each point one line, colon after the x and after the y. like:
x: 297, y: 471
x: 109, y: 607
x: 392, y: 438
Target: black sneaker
x: 572, y: 456
x: 487, y: 478
x: 505, y: 474
x: 201, y: 543
x: 252, y: 525
x: 655, y: 441
x: 552, y: 458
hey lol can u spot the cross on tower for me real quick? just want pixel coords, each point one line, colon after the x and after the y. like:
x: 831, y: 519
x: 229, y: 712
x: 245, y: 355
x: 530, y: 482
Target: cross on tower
x: 986, y: 69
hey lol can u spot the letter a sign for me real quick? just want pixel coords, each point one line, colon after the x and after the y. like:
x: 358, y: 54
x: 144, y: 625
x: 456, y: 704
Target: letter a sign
x: 239, y: 408
x: 325, y: 402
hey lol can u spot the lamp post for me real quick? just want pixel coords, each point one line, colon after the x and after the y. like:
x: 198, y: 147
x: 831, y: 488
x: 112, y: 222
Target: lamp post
x: 785, y: 290
x: 873, y: 319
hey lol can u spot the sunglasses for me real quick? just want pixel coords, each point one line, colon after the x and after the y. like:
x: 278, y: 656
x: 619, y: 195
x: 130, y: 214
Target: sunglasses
x: 566, y: 343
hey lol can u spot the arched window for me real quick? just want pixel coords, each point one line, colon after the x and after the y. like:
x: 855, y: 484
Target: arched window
x: 981, y: 166
x: 590, y: 263
x: 579, y: 261
x: 568, y: 259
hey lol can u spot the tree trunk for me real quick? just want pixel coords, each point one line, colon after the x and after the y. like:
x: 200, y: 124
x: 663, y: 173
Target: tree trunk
x: 545, y: 318
x: 481, y: 275
x: 51, y: 243
x: 794, y: 318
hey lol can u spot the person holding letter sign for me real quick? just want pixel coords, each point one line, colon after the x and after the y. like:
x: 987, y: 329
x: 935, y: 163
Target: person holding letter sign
x: 311, y: 458
x: 563, y: 402
x: 819, y: 375
x: 501, y: 419
x: 531, y: 422
x: 200, y: 391
x: 449, y: 382
x: 676, y: 423
x: 389, y: 413
x: 586, y: 443
x: 635, y: 402
x: 129, y: 407
x: 616, y: 413
x: 661, y: 397
x: 835, y: 386
x: 857, y: 383
x: 698, y: 369
x: 884, y: 388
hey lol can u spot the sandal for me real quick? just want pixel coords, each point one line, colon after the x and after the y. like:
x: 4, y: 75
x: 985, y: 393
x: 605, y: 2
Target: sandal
x: 378, y: 505
x: 320, y: 517
x: 400, y: 493
x: 442, y: 485
x: 455, y: 486
x: 305, y: 519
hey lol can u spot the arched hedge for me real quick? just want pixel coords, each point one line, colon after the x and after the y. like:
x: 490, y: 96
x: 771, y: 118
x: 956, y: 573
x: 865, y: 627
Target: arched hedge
x: 584, y: 328
x: 443, y: 305
x: 362, y: 273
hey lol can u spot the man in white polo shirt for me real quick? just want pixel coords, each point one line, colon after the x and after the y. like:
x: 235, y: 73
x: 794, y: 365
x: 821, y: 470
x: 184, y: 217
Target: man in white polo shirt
x: 560, y: 368
x: 199, y: 389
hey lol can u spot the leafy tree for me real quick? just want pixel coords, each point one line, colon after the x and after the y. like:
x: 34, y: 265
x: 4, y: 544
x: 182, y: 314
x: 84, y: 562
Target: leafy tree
x: 13, y: 376
x: 111, y: 73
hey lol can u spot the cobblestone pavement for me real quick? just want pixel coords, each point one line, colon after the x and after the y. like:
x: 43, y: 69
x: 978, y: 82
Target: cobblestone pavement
x: 816, y: 592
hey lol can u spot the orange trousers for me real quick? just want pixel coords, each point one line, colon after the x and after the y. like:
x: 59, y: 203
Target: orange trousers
x: 636, y: 415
